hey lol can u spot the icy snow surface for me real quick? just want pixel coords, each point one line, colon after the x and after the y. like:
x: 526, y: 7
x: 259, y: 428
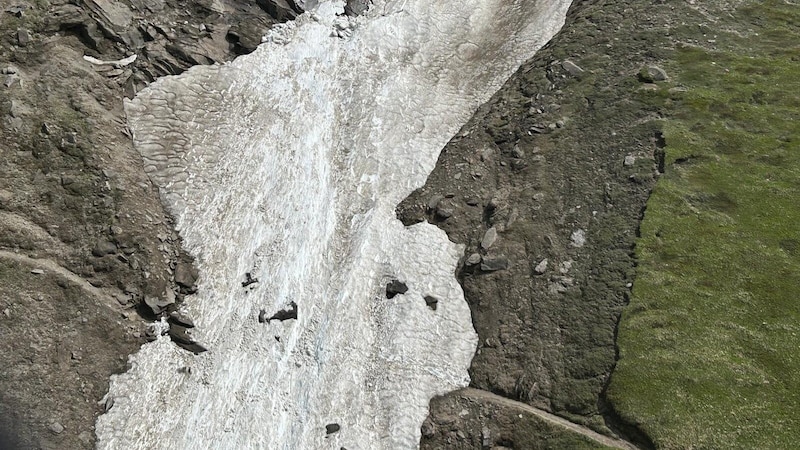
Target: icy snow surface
x: 288, y: 163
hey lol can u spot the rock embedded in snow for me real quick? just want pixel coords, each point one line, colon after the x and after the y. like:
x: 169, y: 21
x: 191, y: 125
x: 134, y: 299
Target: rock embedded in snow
x: 285, y: 314
x: 181, y: 319
x: 395, y: 287
x: 249, y: 279
x: 431, y: 301
x: 332, y: 428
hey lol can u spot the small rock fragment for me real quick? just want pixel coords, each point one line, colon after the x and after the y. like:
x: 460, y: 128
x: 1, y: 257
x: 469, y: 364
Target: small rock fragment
x: 431, y: 301
x: 56, y: 428
x: 434, y: 202
x: 332, y: 428
x: 489, y: 238
x: 541, y: 267
x: 5, y: 197
x: 395, y: 287
x: 249, y: 279
x: 572, y: 68
x: 159, y: 304
x: 186, y: 276
x: 23, y: 37
x: 85, y: 437
x: 578, y: 238
x: 262, y: 316
x: 474, y: 259
x: 37, y: 271
x: 443, y: 213
x: 494, y: 263
x: 651, y: 74
x: 629, y: 160
x: 104, y: 248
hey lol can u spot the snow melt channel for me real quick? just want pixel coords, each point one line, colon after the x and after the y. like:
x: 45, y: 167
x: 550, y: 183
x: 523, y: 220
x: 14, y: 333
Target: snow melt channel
x: 288, y: 163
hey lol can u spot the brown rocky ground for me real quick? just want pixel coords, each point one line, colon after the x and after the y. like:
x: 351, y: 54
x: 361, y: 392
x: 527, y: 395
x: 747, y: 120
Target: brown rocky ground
x: 84, y: 238
x: 546, y: 186
x: 559, y: 164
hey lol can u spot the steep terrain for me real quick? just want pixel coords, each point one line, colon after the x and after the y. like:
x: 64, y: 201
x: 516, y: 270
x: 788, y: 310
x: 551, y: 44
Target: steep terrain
x: 545, y: 186
x: 551, y: 178
x: 84, y: 237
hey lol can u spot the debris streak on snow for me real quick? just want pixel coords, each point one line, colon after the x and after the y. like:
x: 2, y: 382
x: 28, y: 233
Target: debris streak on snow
x: 288, y: 164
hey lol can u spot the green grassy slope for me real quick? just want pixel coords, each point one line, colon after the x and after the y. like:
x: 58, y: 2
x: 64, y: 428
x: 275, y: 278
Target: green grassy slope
x: 710, y: 343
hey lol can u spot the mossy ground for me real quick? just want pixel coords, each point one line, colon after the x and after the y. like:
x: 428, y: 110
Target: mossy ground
x: 709, y: 343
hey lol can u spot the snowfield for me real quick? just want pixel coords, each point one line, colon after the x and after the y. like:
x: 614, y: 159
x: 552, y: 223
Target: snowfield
x: 288, y: 163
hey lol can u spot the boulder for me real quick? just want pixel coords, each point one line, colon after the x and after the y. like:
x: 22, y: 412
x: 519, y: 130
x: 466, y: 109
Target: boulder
x: 179, y: 318
x: 432, y: 302
x: 395, y: 287
x: 103, y: 248
x: 186, y: 275
x: 285, y: 314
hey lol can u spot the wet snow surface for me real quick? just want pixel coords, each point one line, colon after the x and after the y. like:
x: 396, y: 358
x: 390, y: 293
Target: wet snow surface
x: 288, y: 163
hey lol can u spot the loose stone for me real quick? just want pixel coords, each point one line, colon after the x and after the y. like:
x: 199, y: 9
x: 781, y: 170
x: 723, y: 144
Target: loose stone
x: 489, y: 238
x: 474, y: 259
x: 395, y: 287
x: 431, y: 301
x: 541, y: 267
x: 56, y: 428
x: 572, y: 68
x: 494, y: 263
x: 578, y: 238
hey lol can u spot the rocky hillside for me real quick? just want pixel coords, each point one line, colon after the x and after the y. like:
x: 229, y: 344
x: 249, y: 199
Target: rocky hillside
x: 86, y: 249
x: 546, y: 187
